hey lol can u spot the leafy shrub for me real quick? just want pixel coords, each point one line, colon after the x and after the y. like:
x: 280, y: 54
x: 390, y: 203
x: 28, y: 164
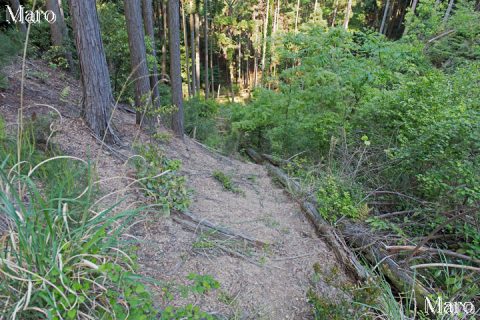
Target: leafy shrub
x: 10, y: 44
x: 160, y: 179
x: 226, y: 181
x: 337, y: 200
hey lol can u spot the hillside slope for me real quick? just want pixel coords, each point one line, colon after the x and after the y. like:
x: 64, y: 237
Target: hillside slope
x: 268, y: 282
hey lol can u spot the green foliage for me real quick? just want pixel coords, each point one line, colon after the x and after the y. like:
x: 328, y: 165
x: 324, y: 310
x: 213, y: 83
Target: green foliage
x: 202, y: 284
x: 188, y: 312
x: 115, y: 42
x: 337, y: 200
x: 160, y: 179
x: 62, y: 259
x: 226, y: 181
x: 10, y: 44
x: 200, y: 118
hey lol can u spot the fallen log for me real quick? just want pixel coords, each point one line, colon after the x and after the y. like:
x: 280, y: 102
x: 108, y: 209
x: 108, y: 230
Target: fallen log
x: 357, y: 235
x: 360, y: 236
x: 343, y: 254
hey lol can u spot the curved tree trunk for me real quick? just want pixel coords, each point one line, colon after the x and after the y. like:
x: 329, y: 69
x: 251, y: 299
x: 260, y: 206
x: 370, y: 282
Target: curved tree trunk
x: 97, y: 92
x: 138, y: 60
x: 147, y: 12
x: 175, y: 68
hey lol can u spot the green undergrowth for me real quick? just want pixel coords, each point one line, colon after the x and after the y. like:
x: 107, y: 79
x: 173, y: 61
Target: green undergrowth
x: 160, y: 179
x: 226, y: 181
x: 10, y: 45
x: 63, y: 257
x: 197, y: 287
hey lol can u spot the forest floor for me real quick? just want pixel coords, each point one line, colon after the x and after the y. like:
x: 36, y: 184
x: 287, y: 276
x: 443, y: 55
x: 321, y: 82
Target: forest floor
x: 256, y: 283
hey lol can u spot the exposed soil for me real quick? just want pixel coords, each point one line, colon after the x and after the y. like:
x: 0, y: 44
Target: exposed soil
x: 256, y: 283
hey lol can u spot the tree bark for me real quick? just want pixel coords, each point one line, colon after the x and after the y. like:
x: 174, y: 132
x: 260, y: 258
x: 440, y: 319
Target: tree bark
x: 187, y: 55
x: 205, y: 21
x: 197, y: 52
x: 255, y: 53
x: 59, y: 31
x: 211, y: 64
x: 15, y: 7
x: 138, y: 60
x: 164, y: 37
x: 448, y: 12
x: 147, y: 12
x: 193, y: 47
x: 97, y: 99
x: 347, y: 14
x: 265, y: 30
x: 414, y: 5
x: 175, y: 68
x: 384, y: 19
x: 335, y: 9
x: 297, y: 10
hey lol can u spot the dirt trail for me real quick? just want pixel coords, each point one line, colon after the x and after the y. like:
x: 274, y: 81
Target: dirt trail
x: 256, y: 283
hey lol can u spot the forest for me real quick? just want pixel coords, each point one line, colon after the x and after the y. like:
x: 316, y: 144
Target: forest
x: 240, y: 159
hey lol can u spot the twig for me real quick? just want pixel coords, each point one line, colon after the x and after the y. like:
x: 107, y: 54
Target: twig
x: 293, y: 257
x: 441, y: 35
x: 437, y: 229
x: 433, y: 250
x: 393, y: 214
x: 446, y: 265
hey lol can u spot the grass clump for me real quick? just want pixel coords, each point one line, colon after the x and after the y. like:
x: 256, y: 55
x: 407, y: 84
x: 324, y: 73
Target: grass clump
x: 160, y: 179
x: 62, y: 257
x: 226, y: 181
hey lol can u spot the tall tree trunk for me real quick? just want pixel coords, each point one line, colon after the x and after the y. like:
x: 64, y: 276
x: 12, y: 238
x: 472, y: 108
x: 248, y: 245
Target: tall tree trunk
x: 187, y: 55
x: 297, y: 10
x: 138, y: 59
x: 448, y: 12
x: 175, y: 68
x: 15, y: 7
x: 212, y: 77
x: 59, y: 31
x: 384, y: 19
x: 147, y: 12
x: 275, y: 16
x: 347, y: 14
x: 197, y: 52
x: 335, y: 10
x: 97, y: 99
x: 164, y: 37
x: 255, y: 53
x: 239, y: 61
x: 205, y: 22
x: 192, y: 46
x: 315, y: 7
x: 264, y: 44
x: 414, y: 5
